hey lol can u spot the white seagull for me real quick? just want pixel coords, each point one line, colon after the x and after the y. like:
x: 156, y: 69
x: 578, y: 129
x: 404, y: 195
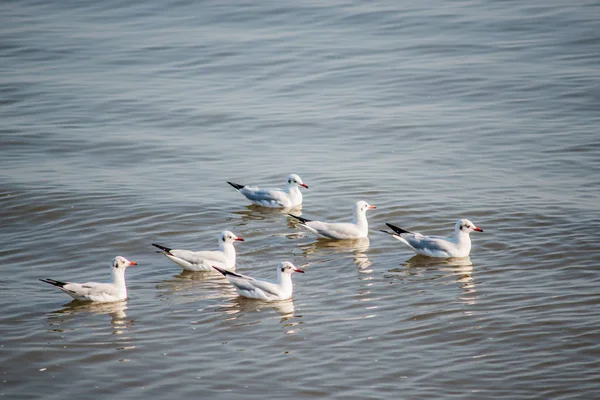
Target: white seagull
x: 99, y: 292
x: 204, y: 260
x: 260, y: 289
x: 357, y: 229
x: 289, y: 197
x: 438, y: 246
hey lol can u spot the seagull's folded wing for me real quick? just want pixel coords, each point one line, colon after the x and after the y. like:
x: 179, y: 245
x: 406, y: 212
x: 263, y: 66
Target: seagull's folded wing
x: 265, y: 196
x: 92, y: 289
x: 429, y: 244
x: 268, y: 287
x: 338, y: 230
x: 200, y: 257
x: 250, y: 284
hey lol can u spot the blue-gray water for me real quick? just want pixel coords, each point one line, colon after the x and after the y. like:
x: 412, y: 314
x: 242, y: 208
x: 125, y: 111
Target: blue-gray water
x: 121, y: 122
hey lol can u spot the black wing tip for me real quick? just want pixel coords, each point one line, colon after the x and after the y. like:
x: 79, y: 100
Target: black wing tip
x: 237, y: 186
x: 54, y: 282
x: 396, y: 229
x: 226, y: 272
x: 221, y: 270
x: 163, y: 248
x: 302, y: 220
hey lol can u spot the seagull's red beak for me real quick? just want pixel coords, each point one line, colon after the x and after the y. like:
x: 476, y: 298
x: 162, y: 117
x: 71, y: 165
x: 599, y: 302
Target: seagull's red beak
x: 372, y: 207
x: 132, y: 263
x: 477, y: 229
x: 299, y: 270
x: 239, y: 239
x: 304, y: 185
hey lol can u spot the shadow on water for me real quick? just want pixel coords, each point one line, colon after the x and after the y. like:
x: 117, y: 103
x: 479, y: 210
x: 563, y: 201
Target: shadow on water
x: 460, y: 270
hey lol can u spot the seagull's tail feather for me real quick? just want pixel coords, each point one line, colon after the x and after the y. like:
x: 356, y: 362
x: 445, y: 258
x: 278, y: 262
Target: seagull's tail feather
x: 54, y: 282
x: 225, y: 272
x: 163, y: 248
x: 396, y: 229
x: 237, y: 186
x: 302, y: 220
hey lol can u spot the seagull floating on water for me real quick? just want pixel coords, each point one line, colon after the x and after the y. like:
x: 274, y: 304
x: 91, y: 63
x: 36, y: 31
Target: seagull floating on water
x: 98, y: 292
x: 438, y: 246
x: 204, y: 260
x: 289, y: 197
x: 358, y: 228
x: 260, y: 289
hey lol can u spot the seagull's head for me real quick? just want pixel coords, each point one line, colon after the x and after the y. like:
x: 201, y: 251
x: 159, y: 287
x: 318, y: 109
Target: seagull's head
x: 361, y: 207
x: 295, y: 180
x: 288, y: 268
x: 120, y: 262
x: 466, y: 226
x: 229, y: 237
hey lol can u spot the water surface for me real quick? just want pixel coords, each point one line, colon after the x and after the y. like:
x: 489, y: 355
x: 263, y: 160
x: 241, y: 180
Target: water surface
x: 121, y: 123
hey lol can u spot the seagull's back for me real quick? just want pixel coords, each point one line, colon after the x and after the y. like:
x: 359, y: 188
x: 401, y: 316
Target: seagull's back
x: 255, y: 288
x: 94, y: 291
x: 433, y: 246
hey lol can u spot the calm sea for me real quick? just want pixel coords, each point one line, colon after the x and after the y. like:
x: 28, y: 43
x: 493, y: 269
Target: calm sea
x: 121, y: 122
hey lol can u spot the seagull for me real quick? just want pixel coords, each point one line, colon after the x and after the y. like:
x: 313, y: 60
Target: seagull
x: 358, y: 228
x: 260, y: 289
x: 204, y: 260
x: 437, y: 246
x: 98, y: 292
x: 289, y: 197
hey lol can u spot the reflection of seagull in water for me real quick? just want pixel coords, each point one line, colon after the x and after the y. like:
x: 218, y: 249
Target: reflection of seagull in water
x: 358, y: 247
x: 424, y: 261
x: 253, y: 212
x: 284, y: 308
x: 461, y: 268
x: 116, y: 311
x: 188, y: 286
